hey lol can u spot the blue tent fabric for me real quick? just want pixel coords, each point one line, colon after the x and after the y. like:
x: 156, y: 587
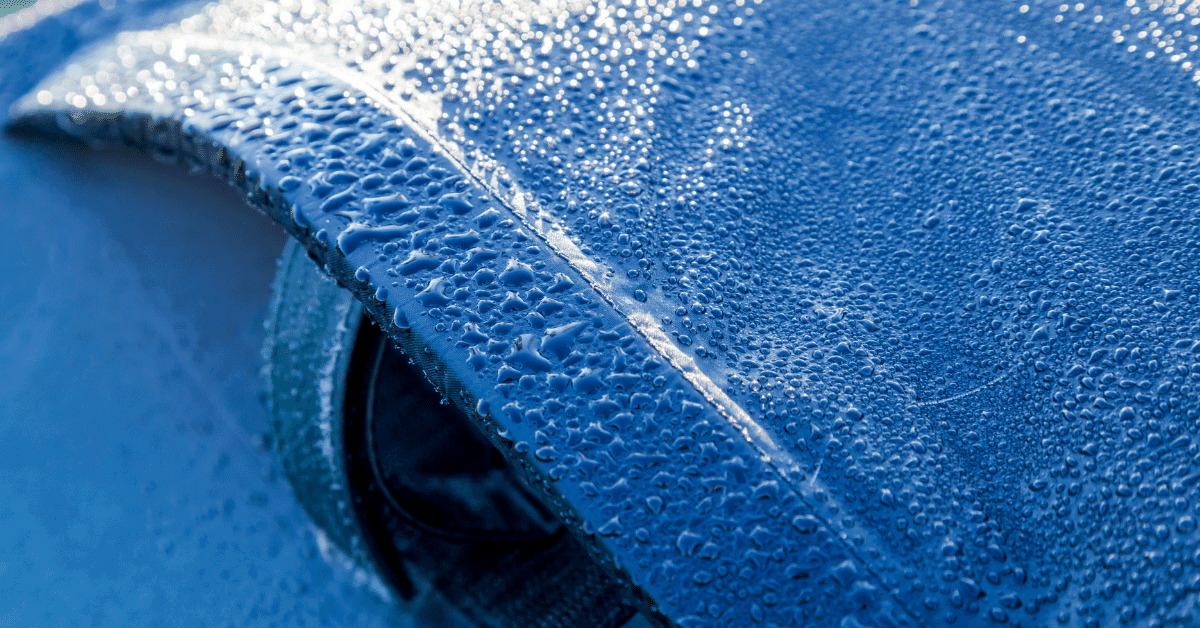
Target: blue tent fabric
x: 800, y: 313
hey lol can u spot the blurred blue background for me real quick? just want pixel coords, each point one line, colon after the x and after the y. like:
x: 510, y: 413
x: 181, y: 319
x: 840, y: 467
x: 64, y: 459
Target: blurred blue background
x: 136, y: 488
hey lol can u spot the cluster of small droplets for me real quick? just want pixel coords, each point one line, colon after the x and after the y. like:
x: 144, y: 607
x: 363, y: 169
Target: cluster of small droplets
x: 1165, y: 31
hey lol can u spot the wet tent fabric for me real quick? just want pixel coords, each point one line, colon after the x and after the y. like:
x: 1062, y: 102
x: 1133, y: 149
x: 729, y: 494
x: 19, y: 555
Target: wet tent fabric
x: 865, y: 313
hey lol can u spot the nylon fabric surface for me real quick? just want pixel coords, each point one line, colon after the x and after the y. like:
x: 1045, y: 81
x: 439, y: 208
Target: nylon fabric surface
x: 801, y: 313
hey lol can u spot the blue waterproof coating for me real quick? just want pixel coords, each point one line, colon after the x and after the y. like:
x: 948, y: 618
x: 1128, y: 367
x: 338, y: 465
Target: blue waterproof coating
x: 801, y: 313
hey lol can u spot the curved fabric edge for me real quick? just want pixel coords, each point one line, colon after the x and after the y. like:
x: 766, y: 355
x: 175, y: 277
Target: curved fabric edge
x: 302, y: 361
